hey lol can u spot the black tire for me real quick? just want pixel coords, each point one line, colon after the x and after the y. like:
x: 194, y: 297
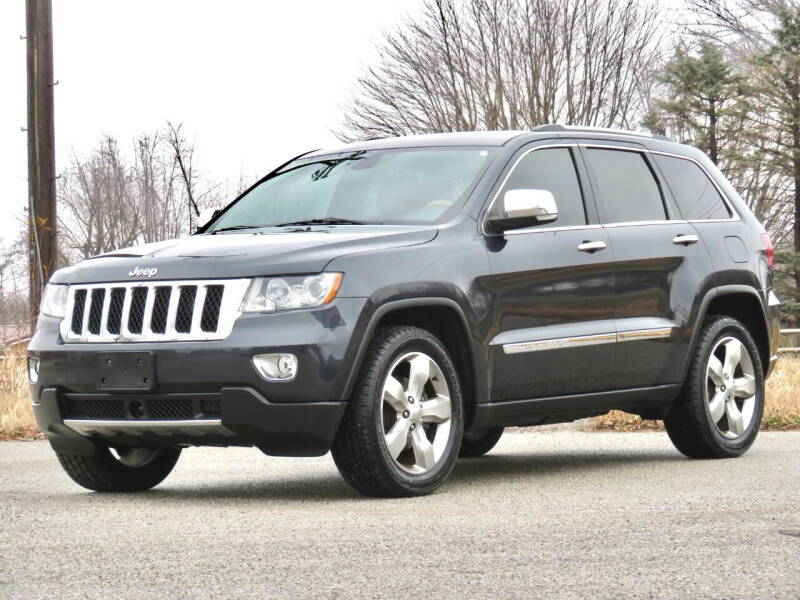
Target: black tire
x: 478, y: 443
x: 135, y: 470
x: 689, y: 424
x: 360, y: 450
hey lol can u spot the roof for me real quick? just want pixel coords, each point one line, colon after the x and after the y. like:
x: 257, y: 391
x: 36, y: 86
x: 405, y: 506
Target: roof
x: 461, y: 138
x: 598, y: 130
x: 500, y: 138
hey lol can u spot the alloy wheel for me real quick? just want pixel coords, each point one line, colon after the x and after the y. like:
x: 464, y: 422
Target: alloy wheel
x: 730, y: 388
x: 416, y: 413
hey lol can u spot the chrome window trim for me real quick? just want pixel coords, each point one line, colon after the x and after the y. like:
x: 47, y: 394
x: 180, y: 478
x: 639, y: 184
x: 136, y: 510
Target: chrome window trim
x: 588, y: 340
x: 645, y: 223
x: 535, y: 228
x: 551, y: 229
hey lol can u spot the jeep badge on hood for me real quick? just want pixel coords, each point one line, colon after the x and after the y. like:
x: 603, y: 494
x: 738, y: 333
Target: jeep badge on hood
x: 143, y: 272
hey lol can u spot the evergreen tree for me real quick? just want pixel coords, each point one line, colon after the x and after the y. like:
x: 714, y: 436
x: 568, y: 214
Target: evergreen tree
x: 705, y: 102
x: 779, y: 86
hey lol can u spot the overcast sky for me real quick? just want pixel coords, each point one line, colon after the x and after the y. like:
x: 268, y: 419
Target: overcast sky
x: 253, y: 82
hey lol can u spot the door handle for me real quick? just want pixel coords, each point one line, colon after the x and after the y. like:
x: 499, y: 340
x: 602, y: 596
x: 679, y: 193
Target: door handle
x: 685, y: 240
x: 591, y: 246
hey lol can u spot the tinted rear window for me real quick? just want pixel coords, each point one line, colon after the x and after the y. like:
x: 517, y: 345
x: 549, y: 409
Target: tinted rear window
x: 628, y: 189
x: 696, y: 196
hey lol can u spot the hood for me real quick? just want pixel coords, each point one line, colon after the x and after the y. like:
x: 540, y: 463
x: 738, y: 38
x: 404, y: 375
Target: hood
x: 230, y: 255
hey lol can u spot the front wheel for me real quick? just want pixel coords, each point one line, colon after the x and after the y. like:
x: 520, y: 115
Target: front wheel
x: 403, y: 426
x: 722, y: 402
x: 121, y: 470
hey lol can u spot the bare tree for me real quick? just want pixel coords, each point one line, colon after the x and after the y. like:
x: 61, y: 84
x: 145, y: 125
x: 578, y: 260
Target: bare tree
x: 744, y: 27
x: 96, y: 194
x: 509, y: 64
x: 110, y: 201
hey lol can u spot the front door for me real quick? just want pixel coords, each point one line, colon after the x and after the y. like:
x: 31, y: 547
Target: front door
x: 551, y: 287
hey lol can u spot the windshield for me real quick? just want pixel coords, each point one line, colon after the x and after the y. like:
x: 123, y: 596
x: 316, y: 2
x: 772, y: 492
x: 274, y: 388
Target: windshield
x: 400, y: 186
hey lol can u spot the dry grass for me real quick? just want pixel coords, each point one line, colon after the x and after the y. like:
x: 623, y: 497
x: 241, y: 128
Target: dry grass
x: 782, y: 410
x: 16, y: 415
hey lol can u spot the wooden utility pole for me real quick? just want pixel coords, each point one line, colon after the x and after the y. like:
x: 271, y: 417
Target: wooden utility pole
x: 41, y: 151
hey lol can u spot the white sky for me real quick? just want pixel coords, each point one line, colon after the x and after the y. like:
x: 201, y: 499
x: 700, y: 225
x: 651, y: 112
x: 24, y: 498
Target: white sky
x: 254, y: 82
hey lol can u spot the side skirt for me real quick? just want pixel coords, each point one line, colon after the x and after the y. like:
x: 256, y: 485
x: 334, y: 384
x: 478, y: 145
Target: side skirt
x: 649, y: 402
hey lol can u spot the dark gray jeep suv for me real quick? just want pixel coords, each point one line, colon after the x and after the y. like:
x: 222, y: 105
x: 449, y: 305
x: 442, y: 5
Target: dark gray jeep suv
x: 400, y: 301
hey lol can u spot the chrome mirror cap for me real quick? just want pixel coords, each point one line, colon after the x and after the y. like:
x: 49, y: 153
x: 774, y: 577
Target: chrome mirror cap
x: 525, y: 208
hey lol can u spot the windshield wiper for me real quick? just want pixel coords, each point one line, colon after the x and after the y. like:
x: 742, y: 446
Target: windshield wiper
x: 236, y: 228
x: 326, y: 221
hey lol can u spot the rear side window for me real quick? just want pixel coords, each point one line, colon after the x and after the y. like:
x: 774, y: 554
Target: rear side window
x: 551, y: 169
x: 628, y: 188
x: 695, y: 194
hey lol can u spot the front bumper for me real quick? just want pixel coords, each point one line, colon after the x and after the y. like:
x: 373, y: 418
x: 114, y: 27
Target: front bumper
x: 235, y: 406
x: 245, y: 418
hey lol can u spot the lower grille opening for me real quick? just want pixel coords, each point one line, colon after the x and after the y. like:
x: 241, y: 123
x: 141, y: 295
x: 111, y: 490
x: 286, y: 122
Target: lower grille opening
x: 135, y: 408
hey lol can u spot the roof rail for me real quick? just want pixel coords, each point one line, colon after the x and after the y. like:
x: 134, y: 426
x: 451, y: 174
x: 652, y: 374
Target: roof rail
x: 585, y: 129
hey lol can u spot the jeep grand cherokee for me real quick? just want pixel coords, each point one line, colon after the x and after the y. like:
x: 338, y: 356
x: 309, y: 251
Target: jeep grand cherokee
x: 399, y: 302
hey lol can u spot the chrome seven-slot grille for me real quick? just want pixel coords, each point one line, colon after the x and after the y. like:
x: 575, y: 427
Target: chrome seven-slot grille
x: 153, y: 311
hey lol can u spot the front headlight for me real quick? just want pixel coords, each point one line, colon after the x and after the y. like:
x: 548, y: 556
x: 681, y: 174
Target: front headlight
x: 269, y: 294
x: 54, y: 300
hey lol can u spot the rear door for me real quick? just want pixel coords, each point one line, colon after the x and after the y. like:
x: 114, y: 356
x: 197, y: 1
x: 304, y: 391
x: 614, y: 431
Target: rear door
x: 551, y: 286
x: 660, y: 264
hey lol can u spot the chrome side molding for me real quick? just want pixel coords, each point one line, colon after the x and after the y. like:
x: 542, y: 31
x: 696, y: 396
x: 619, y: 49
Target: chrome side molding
x: 587, y: 340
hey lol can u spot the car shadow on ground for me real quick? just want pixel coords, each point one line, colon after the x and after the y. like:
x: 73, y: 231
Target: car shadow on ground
x: 499, y: 466
x: 494, y: 469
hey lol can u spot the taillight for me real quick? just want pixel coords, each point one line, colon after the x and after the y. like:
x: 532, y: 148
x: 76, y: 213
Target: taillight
x: 765, y: 239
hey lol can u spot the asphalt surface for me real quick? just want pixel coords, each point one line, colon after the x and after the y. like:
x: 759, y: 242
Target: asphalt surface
x: 545, y: 515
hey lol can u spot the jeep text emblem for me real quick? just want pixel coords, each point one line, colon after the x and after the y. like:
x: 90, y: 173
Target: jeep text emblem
x: 143, y: 272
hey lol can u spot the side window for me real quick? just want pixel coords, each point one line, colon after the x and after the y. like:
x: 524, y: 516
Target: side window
x: 695, y: 194
x: 628, y: 188
x: 551, y: 169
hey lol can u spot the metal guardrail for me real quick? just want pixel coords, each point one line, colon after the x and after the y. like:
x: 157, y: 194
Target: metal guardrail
x: 790, y: 340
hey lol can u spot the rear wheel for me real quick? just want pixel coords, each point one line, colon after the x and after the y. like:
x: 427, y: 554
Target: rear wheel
x: 403, y: 425
x: 120, y: 470
x: 478, y: 443
x: 722, y: 402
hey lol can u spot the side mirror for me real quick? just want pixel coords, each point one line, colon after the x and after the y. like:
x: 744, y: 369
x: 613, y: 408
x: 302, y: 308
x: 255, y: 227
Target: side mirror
x: 524, y: 208
x: 206, y: 215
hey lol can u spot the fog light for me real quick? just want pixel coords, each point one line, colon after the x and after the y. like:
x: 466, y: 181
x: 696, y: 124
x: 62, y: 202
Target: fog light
x: 33, y: 369
x: 276, y: 367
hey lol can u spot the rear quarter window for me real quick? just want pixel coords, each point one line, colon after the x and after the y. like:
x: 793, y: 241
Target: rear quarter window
x: 694, y: 192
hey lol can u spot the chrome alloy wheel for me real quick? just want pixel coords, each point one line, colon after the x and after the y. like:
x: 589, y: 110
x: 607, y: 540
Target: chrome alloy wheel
x: 416, y: 413
x: 730, y: 387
